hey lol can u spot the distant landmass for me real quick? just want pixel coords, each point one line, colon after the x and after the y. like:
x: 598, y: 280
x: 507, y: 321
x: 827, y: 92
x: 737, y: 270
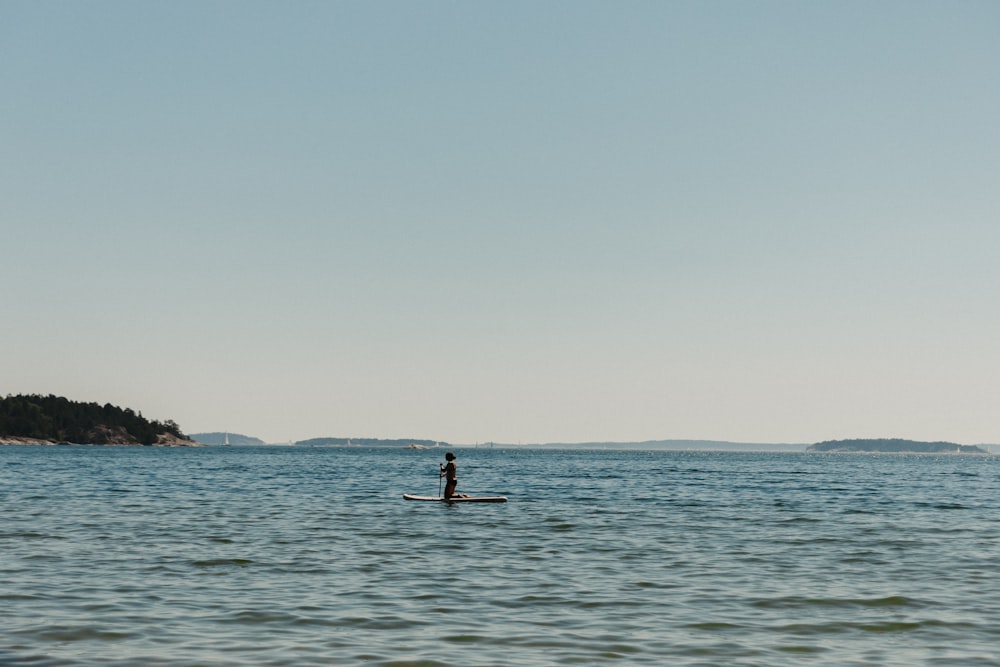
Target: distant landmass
x: 856, y: 445
x: 895, y: 445
x: 36, y: 419
x: 370, y: 442
x: 679, y: 445
x: 221, y: 437
x: 715, y: 445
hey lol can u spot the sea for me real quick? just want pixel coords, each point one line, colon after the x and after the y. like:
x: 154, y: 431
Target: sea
x: 297, y: 556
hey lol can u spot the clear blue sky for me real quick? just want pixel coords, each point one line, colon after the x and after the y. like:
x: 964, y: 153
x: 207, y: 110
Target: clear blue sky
x: 508, y: 221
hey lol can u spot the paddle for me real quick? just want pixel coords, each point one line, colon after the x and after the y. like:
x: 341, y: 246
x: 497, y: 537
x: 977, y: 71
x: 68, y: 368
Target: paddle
x: 440, y: 470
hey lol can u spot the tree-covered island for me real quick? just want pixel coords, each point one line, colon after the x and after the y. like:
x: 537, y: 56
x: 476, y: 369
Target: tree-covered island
x: 54, y: 419
x: 894, y: 445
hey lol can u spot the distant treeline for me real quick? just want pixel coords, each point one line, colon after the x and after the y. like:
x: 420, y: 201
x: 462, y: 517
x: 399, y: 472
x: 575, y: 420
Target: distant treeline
x: 221, y: 438
x: 894, y: 445
x: 367, y: 442
x: 61, y: 420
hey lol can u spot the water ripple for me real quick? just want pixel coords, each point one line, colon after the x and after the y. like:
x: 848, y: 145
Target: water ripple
x: 284, y: 557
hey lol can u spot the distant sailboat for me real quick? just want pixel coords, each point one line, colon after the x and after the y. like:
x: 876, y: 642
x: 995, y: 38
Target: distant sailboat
x: 227, y: 440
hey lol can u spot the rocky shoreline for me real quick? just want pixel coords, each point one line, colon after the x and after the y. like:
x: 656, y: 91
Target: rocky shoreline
x: 162, y: 440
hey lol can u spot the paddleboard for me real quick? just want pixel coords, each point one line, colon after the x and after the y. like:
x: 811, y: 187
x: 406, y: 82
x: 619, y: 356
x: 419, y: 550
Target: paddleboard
x: 459, y: 499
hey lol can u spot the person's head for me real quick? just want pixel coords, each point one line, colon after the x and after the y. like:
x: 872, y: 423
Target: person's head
x: 449, y: 456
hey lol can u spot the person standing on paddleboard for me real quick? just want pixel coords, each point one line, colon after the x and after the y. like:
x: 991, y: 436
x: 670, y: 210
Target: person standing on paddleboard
x: 450, y: 472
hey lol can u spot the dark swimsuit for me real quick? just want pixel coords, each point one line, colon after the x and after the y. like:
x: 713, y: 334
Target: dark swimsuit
x: 451, y: 478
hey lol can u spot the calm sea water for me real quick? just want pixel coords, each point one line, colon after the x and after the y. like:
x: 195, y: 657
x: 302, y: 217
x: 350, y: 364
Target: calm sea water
x: 276, y: 556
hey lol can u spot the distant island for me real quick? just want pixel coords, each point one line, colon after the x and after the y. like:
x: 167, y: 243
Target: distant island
x: 223, y: 438
x: 35, y: 419
x: 677, y: 445
x: 894, y: 445
x: 370, y: 442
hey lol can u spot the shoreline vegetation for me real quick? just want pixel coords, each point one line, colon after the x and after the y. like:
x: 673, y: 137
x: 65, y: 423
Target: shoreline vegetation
x: 54, y: 420
x: 893, y: 446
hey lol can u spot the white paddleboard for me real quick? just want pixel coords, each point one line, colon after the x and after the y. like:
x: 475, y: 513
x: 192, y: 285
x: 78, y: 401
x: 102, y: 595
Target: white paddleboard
x: 459, y: 499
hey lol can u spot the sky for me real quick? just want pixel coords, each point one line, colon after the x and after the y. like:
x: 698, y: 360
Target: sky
x: 512, y: 221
